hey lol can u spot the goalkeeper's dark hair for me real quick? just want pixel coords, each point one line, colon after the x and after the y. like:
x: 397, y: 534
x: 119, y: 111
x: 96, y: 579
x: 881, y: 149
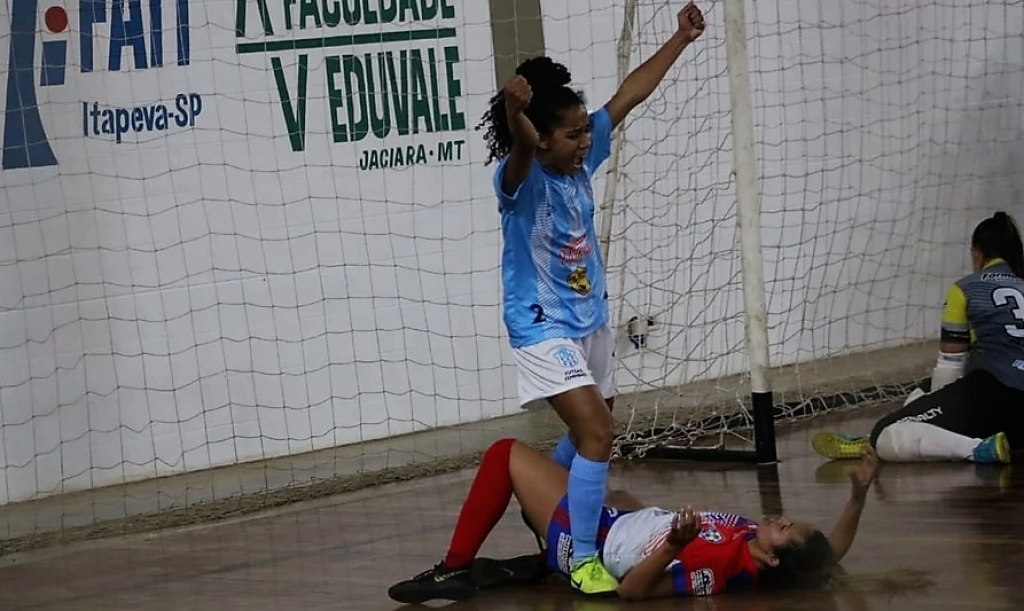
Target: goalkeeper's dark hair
x: 998, y: 236
x: 552, y: 97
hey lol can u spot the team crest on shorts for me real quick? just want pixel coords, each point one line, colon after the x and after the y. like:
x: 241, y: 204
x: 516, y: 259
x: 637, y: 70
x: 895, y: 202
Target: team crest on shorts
x: 566, y: 358
x: 579, y: 281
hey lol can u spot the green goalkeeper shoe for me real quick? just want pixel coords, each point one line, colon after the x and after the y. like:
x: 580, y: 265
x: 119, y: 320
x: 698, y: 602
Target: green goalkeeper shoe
x: 834, y: 445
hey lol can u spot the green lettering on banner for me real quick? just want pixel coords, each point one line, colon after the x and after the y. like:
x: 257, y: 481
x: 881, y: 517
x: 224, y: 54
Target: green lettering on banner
x: 240, y: 16
x: 384, y: 82
x: 428, y: 9
x: 351, y: 12
x: 388, y: 10
x: 355, y: 90
x: 451, y: 57
x: 399, y: 86
x: 335, y: 98
x: 420, y: 99
x: 288, y: 14
x: 332, y: 13
x: 369, y: 13
x: 405, y: 6
x: 310, y: 9
x: 294, y: 115
x: 440, y: 121
x: 380, y: 113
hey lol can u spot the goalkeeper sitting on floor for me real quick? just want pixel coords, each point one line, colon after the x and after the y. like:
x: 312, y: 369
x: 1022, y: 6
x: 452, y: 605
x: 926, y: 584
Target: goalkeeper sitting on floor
x: 975, y: 410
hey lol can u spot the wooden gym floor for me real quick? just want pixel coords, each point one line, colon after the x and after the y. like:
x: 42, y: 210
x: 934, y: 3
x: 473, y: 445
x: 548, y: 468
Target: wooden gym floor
x: 932, y: 537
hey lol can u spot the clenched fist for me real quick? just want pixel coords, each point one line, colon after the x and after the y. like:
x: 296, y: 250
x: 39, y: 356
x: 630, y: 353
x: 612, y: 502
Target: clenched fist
x: 686, y: 525
x: 691, y: 22
x: 517, y: 94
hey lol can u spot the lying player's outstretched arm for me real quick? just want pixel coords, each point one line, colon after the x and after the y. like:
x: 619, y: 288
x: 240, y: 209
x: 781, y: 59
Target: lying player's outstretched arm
x: 846, y: 526
x: 649, y: 578
x: 640, y: 83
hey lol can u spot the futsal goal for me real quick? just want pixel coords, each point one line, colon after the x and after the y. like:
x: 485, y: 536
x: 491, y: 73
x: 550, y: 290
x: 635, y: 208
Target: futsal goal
x: 783, y: 219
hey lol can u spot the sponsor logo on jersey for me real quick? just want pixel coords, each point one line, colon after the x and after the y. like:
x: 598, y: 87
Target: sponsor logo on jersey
x: 577, y: 250
x: 579, y: 281
x: 702, y: 582
x: 711, y: 534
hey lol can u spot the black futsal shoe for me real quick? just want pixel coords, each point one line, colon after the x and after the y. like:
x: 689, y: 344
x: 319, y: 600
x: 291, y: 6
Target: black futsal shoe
x: 437, y: 583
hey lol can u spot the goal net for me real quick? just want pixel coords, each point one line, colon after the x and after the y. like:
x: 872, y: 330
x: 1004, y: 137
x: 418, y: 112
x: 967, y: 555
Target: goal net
x: 237, y: 233
x: 884, y: 133
x: 261, y: 235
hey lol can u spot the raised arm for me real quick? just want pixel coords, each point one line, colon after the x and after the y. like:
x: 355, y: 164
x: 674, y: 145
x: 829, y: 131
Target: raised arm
x: 845, y: 530
x: 640, y: 83
x: 524, y: 135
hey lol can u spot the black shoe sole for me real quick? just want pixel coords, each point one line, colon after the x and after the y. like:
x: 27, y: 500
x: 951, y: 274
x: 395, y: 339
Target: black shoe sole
x: 609, y: 594
x: 417, y: 594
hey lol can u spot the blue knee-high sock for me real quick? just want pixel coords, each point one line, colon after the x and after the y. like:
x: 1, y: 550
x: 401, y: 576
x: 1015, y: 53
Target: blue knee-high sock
x: 564, y: 452
x: 587, y: 483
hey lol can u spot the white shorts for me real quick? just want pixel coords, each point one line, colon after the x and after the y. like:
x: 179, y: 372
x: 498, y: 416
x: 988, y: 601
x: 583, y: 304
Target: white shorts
x: 556, y: 365
x: 633, y: 537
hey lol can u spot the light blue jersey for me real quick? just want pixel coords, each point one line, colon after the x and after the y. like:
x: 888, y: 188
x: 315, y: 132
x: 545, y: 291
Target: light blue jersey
x: 552, y: 273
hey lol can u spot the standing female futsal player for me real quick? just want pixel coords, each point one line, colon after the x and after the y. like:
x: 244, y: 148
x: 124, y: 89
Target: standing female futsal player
x: 975, y: 410
x: 555, y: 302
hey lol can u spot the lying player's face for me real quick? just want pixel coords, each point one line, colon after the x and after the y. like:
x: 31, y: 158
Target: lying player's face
x: 568, y: 143
x: 779, y: 531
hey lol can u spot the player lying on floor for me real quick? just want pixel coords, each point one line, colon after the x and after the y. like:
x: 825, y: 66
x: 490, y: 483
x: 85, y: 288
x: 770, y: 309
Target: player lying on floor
x: 652, y: 552
x: 974, y: 410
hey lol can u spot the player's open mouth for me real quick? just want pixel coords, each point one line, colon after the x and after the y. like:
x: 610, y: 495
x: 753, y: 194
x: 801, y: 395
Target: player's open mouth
x: 577, y: 162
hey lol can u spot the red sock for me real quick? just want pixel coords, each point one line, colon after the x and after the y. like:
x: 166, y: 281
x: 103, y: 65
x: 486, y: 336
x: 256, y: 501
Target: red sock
x: 487, y: 501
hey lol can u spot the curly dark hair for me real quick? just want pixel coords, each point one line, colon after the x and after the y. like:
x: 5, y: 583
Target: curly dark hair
x: 802, y: 564
x: 997, y: 236
x: 552, y: 96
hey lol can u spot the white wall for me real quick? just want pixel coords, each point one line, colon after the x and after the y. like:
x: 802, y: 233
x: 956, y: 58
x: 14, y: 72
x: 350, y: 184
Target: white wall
x: 207, y: 295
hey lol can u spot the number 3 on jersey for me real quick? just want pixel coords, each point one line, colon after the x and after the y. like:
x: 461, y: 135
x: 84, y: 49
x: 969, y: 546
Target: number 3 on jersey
x: 1009, y: 296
